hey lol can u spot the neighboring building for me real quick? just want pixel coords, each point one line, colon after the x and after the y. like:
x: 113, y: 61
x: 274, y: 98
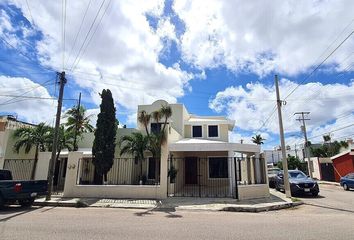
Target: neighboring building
x: 274, y: 156
x: 9, y: 158
x: 343, y: 163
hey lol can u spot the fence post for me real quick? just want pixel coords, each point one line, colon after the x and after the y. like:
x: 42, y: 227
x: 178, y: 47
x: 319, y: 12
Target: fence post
x: 72, y: 173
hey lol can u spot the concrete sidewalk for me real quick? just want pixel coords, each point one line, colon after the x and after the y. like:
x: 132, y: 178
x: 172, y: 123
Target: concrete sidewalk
x: 275, y: 202
x: 328, y: 183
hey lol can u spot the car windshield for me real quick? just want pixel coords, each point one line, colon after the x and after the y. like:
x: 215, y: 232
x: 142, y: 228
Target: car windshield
x: 297, y: 175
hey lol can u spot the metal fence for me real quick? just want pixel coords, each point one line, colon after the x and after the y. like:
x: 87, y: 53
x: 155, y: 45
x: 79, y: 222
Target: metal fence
x: 124, y: 171
x: 210, y: 177
x: 21, y: 169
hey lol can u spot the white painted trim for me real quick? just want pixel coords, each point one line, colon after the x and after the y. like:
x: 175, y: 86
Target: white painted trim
x: 218, y: 126
x: 209, y: 178
x: 192, y: 130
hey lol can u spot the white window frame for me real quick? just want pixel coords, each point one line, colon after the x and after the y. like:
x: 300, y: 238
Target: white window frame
x: 218, y: 126
x: 197, y: 126
x: 227, y: 158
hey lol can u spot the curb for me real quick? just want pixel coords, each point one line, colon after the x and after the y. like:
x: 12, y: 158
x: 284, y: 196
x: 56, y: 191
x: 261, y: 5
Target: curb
x: 235, y: 208
x: 263, y: 209
x: 329, y: 183
x: 55, y: 204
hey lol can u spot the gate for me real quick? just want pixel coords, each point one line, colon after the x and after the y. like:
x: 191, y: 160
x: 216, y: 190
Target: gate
x: 200, y: 177
x: 21, y: 169
x: 59, y: 175
x: 327, y: 172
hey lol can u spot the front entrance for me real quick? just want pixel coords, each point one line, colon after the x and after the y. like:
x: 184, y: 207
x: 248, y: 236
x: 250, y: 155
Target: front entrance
x: 191, y: 170
x: 200, y: 177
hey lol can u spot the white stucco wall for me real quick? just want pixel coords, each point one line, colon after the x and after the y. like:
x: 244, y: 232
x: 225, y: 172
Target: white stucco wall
x: 42, y: 166
x: 253, y: 191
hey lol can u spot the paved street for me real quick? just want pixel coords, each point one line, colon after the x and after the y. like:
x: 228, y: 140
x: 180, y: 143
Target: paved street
x: 331, y: 198
x: 328, y: 217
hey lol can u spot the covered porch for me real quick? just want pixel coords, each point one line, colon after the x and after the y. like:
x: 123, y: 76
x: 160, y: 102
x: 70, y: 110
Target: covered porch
x: 207, y: 168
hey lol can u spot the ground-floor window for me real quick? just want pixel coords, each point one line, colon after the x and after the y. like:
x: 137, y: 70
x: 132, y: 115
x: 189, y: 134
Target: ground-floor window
x: 151, y: 168
x: 218, y: 167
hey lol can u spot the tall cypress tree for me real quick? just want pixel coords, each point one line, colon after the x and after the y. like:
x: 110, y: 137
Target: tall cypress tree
x: 105, y: 137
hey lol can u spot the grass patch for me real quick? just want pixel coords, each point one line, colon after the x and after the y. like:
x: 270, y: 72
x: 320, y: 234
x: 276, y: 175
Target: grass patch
x: 295, y: 199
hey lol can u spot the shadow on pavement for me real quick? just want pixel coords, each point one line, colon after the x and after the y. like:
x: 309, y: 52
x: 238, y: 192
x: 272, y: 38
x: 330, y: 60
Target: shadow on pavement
x: 327, y: 207
x: 169, y: 211
x: 18, y: 210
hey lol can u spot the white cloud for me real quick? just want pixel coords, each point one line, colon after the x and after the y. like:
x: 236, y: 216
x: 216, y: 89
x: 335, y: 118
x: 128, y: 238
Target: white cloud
x: 124, y: 53
x: 31, y: 110
x: 264, y: 36
x: 252, y: 105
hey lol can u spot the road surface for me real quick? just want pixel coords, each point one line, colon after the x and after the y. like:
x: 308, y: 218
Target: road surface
x: 325, y: 221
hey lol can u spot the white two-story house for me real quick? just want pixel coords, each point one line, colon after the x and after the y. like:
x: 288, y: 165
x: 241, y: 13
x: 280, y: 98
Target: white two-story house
x: 207, y: 163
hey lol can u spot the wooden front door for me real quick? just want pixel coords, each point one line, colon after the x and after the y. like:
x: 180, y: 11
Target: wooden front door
x: 191, y: 170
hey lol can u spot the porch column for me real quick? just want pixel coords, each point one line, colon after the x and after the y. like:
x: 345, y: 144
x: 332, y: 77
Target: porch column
x: 231, y: 168
x: 257, y: 168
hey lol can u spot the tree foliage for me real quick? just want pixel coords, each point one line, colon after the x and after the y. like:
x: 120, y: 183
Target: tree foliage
x: 105, y: 137
x: 328, y: 149
x: 135, y: 144
x: 258, y: 139
x: 79, y: 121
x: 156, y: 139
x: 32, y: 137
x: 293, y: 163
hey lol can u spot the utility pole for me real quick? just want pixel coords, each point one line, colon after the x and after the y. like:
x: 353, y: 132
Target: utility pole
x: 62, y: 81
x: 303, y: 128
x: 76, y: 126
x: 282, y: 141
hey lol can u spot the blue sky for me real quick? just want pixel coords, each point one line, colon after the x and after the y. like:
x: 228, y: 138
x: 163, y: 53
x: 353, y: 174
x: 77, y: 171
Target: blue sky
x: 216, y: 57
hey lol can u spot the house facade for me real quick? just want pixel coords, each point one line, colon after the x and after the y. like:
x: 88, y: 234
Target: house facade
x: 343, y: 163
x: 206, y: 163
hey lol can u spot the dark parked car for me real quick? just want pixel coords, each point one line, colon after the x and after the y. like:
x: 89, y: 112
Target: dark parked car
x: 20, y: 191
x: 299, y: 183
x: 347, y: 181
x: 272, y: 176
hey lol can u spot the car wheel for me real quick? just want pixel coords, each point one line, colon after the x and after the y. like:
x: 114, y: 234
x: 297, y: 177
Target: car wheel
x: 1, y: 202
x: 27, y: 202
x: 315, y: 194
x: 277, y: 187
x: 345, y: 187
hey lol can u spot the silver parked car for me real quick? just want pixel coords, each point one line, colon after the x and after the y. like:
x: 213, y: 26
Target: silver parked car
x: 272, y: 173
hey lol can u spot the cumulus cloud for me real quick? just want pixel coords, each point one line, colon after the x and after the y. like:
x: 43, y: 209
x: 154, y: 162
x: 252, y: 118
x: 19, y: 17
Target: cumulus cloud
x: 262, y: 36
x: 251, y: 106
x: 122, y: 55
x: 31, y: 110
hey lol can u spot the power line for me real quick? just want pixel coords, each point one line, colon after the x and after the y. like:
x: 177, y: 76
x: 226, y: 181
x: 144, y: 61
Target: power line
x: 332, y: 131
x: 63, y: 29
x: 29, y: 10
x: 87, y: 34
x: 79, y: 31
x: 319, y: 65
x: 94, y: 32
x: 3, y: 103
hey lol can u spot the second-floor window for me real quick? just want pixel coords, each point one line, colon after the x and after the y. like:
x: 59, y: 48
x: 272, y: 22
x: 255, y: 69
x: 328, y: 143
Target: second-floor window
x: 213, y: 131
x: 197, y: 131
x: 155, y: 127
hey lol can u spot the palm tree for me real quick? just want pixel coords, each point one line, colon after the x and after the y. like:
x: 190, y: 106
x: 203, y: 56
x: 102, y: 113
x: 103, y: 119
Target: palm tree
x: 78, y: 122
x: 258, y: 139
x: 65, y: 140
x: 156, y: 140
x: 29, y: 137
x: 135, y: 144
x: 144, y: 119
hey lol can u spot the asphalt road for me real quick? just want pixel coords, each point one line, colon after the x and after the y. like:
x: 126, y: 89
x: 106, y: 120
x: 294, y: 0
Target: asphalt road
x: 332, y: 219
